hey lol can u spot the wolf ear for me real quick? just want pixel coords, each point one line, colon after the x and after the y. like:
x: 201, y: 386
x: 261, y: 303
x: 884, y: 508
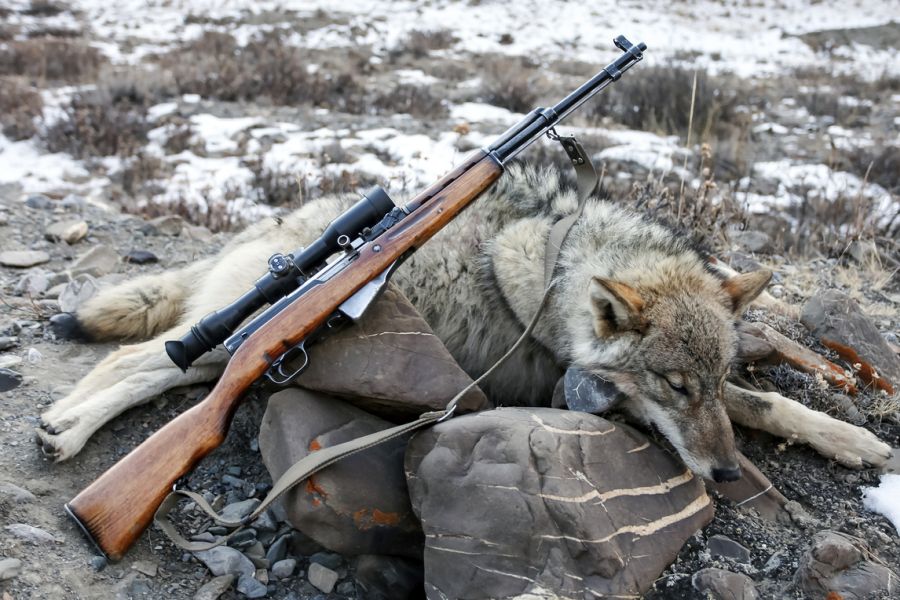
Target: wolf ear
x: 743, y: 289
x: 616, y: 307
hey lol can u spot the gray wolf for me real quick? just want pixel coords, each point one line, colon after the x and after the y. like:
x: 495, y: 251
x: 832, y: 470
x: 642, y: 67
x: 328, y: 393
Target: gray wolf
x: 632, y: 302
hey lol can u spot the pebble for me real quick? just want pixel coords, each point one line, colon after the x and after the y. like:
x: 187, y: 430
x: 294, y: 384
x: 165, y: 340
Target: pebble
x: 9, y: 360
x: 34, y: 356
x: 141, y: 257
x: 70, y: 232
x: 9, y: 568
x: 77, y: 292
x: 322, y: 577
x: 10, y: 492
x: 265, y: 522
x: 165, y: 225
x: 9, y: 328
x: 327, y: 559
x: 238, y: 510
x: 250, y: 587
x: 147, y: 567
x: 214, y: 588
x: 39, y: 202
x: 34, y: 283
x: 278, y: 550
x: 9, y: 380
x: 98, y: 261
x: 232, y: 481
x: 98, y: 563
x: 23, y: 258
x: 243, y: 539
x: 28, y: 533
x: 347, y: 588
x: 284, y: 568
x: 720, y: 545
x: 255, y: 551
x: 7, y: 342
x: 223, y: 560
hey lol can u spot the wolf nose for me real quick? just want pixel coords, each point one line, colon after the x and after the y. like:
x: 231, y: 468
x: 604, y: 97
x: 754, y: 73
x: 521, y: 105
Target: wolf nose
x: 729, y: 474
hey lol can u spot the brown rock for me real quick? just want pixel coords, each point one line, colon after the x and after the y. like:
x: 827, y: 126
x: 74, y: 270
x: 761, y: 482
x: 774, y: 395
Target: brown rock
x: 359, y: 505
x: 835, y: 564
x: 67, y: 231
x: 516, y: 501
x: 720, y: 584
x: 383, y: 361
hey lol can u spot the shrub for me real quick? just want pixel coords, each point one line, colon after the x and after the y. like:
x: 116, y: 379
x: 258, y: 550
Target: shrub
x: 19, y: 106
x: 415, y: 100
x: 879, y: 164
x: 511, y: 82
x: 99, y: 125
x: 49, y: 58
x: 419, y: 43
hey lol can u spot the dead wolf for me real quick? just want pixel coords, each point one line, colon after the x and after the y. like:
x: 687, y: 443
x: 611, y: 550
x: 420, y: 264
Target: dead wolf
x: 633, y: 302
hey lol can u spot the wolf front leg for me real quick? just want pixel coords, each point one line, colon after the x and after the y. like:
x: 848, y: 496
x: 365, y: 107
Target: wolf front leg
x: 848, y: 444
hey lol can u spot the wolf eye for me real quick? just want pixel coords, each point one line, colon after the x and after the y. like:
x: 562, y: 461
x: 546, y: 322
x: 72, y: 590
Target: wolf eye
x: 677, y: 387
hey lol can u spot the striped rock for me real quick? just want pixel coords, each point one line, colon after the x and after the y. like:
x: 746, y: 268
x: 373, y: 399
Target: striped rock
x: 547, y: 503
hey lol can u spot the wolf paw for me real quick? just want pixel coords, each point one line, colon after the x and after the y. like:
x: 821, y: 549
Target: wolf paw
x: 850, y: 445
x: 59, y: 440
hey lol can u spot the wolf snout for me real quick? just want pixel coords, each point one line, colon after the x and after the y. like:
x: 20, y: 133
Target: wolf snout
x: 726, y: 474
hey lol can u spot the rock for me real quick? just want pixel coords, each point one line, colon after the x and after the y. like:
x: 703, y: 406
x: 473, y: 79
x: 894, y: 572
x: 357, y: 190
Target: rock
x: 327, y: 559
x: 9, y: 380
x: 9, y: 568
x: 39, y: 202
x: 141, y: 257
x: 165, y: 225
x: 98, y: 261
x: 23, y: 258
x: 720, y: 545
x: 356, y: 506
x: 34, y: 283
x: 77, y: 292
x: 303, y: 545
x: 223, y: 560
x: 265, y: 522
x: 500, y: 488
x: 98, y: 563
x: 392, y: 383
x: 9, y: 360
x: 250, y: 587
x: 11, y: 493
x: 148, y: 568
x: 834, y: 564
x: 9, y: 328
x: 284, y: 568
x: 7, y: 342
x: 839, y: 323
x: 238, y: 510
x: 757, y: 242
x: 278, y: 550
x: 321, y: 577
x: 198, y: 233
x: 215, y: 587
x: 69, y: 232
x: 720, y: 584
x: 32, y: 535
x: 34, y: 356
x: 387, y: 577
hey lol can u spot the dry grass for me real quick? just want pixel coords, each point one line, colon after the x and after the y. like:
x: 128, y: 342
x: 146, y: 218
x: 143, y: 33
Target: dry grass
x: 99, y: 125
x: 20, y: 105
x: 215, y: 66
x: 49, y: 58
x: 513, y: 83
x: 416, y: 100
x: 421, y: 43
x: 879, y: 164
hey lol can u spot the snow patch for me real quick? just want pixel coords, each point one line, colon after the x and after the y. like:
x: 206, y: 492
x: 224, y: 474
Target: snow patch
x: 885, y: 499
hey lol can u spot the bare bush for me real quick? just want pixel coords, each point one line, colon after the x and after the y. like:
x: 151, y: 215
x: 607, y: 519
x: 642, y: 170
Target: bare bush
x: 416, y: 100
x: 215, y: 66
x: 50, y: 58
x: 879, y: 164
x: 20, y: 105
x: 138, y: 171
x: 419, y: 44
x: 98, y: 125
x: 276, y: 187
x: 660, y: 100
x: 44, y: 8
x: 512, y: 82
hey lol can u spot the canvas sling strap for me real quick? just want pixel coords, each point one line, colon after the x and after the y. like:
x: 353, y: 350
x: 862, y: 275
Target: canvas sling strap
x: 587, y: 182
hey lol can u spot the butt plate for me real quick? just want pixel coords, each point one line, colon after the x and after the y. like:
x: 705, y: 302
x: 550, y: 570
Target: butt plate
x: 86, y: 531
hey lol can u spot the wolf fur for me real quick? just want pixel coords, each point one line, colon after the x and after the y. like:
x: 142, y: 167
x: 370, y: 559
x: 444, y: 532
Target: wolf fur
x: 632, y: 302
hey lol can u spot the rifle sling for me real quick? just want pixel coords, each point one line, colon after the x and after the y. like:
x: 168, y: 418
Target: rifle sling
x: 587, y: 181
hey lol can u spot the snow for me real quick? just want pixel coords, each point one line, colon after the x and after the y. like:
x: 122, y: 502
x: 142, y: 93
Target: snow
x: 885, y: 499
x: 24, y: 163
x: 477, y: 112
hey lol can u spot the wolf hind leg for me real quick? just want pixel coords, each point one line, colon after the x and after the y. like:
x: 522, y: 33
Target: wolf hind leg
x: 848, y: 444
x: 136, y: 309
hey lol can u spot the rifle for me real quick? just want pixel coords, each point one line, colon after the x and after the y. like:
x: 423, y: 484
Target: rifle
x: 308, y: 297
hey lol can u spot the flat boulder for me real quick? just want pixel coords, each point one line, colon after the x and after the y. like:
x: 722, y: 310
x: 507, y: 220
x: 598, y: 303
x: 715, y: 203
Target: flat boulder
x: 360, y: 504
x: 542, y: 503
x: 840, y: 324
x: 834, y: 563
x: 383, y: 360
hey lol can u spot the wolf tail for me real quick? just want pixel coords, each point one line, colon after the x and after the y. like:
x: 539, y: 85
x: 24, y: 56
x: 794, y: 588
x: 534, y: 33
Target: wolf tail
x: 134, y: 310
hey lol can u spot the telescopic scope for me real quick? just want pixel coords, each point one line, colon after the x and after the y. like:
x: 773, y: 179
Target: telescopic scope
x: 286, y: 273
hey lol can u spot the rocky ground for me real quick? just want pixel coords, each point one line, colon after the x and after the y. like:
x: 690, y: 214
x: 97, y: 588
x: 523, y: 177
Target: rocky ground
x: 781, y: 150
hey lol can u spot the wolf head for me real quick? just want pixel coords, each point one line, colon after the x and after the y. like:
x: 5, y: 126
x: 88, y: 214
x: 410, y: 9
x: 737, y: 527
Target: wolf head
x: 667, y: 340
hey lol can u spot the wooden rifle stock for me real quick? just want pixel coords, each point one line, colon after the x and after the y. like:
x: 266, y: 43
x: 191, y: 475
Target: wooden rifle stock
x: 116, y: 508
